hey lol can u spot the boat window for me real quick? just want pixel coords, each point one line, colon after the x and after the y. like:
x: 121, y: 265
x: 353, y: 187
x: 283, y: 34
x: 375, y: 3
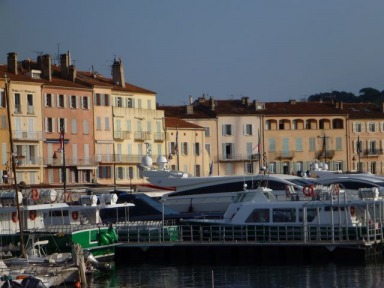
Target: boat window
x: 336, y: 208
x: 284, y: 215
x: 58, y: 213
x: 311, y: 214
x: 258, y: 216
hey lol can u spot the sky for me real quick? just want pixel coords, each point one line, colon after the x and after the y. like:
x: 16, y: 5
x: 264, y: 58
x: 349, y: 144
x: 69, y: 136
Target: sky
x: 268, y: 50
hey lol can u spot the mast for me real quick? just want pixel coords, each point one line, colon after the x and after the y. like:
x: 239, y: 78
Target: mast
x: 21, y: 228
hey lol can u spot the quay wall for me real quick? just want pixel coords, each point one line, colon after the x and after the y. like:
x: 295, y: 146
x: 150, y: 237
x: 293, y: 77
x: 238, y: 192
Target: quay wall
x: 245, y: 254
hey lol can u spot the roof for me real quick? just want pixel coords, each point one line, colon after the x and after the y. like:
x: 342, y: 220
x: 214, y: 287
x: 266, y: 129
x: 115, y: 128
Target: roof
x: 176, y: 123
x: 214, y: 108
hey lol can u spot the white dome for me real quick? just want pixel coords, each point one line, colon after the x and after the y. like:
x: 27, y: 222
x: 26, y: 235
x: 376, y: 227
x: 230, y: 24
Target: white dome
x: 162, y: 162
x: 147, y: 161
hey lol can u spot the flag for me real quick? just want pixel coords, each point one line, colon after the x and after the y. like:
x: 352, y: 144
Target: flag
x: 358, y: 145
x: 61, y: 139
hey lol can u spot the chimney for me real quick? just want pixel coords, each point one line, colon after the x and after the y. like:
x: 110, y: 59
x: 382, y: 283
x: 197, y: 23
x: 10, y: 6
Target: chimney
x: 212, y: 103
x: 292, y: 101
x: 46, y: 67
x: 118, y: 73
x: 245, y: 100
x: 189, y: 109
x: 190, y: 99
x: 12, y: 62
x: 383, y: 107
x: 72, y: 73
x: 341, y: 105
x: 337, y: 105
x: 65, y: 60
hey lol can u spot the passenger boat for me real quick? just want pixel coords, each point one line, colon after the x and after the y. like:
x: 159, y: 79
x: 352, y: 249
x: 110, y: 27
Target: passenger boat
x: 213, y: 193
x: 327, y: 215
x: 59, y: 218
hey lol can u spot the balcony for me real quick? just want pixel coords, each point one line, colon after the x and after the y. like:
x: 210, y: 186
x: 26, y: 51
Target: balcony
x: 121, y: 135
x: 329, y: 154
x: 239, y: 157
x: 372, y: 152
x: 282, y: 155
x: 142, y: 136
x: 27, y: 135
x: 159, y: 136
x: 58, y: 161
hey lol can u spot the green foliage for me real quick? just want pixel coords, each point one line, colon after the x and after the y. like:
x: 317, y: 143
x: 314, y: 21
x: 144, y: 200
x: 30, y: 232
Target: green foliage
x: 366, y: 95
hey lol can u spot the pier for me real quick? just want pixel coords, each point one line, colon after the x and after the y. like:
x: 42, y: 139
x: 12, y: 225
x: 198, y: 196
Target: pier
x: 220, y: 244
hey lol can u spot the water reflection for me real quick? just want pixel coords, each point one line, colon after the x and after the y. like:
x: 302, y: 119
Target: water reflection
x: 160, y: 276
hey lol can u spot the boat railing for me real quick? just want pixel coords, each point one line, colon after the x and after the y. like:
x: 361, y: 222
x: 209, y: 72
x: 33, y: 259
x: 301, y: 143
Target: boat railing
x: 258, y: 234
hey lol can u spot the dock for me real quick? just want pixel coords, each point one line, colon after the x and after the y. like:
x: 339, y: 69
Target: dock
x: 220, y: 244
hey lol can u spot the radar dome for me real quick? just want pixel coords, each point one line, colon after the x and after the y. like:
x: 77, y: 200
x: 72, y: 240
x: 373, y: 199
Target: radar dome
x: 162, y: 162
x: 146, y: 161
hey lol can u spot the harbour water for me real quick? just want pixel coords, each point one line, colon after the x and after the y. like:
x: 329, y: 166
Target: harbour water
x: 165, y: 276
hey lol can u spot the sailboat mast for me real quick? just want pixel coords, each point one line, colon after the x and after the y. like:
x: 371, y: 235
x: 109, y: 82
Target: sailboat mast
x: 12, y: 162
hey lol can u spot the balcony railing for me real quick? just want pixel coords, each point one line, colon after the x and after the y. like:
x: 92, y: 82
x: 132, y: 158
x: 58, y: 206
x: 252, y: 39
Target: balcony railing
x: 159, y: 136
x: 329, y: 154
x: 372, y: 152
x: 239, y: 157
x: 122, y: 135
x: 281, y: 155
x: 27, y: 135
x: 142, y: 136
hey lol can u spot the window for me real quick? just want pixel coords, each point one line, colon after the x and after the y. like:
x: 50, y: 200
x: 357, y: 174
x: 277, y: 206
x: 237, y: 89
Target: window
x: 48, y: 100
x: 268, y: 125
x: 312, y: 144
x: 120, y: 172
x: 358, y: 127
x: 85, y: 102
x: 106, y: 120
x: 227, y: 130
x: 119, y: 102
x: 130, y: 103
x: 272, y: 145
x: 258, y: 216
x: 197, y: 171
x: 73, y: 102
x: 106, y: 99
x: 139, y: 103
x: 299, y: 144
x: 371, y: 127
x: 61, y: 124
x: 17, y: 103
x: 284, y: 215
x: 149, y: 104
x: 30, y: 104
x: 104, y: 172
x: 248, y: 129
x: 61, y: 101
x: 74, y: 126
x: 339, y: 142
x: 98, y: 123
x: 184, y: 148
x: 207, y: 132
x: 248, y: 168
x: 197, y: 149
x: 228, y: 151
x: 272, y: 167
x: 49, y: 124
x: 208, y: 148
x: 98, y: 99
x: 85, y: 127
x: 2, y: 99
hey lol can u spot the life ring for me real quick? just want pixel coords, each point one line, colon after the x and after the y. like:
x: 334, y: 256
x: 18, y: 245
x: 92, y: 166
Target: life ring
x: 14, y: 217
x: 352, y: 210
x: 75, y: 215
x: 35, y: 194
x: 308, y: 191
x: 67, y: 197
x: 335, y: 189
x: 32, y: 215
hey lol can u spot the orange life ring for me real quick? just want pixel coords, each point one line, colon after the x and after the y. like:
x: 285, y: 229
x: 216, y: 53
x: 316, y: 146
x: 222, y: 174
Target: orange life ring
x: 75, y: 215
x: 67, y: 197
x: 14, y: 217
x: 308, y: 191
x: 336, y: 189
x: 352, y: 210
x: 32, y: 215
x: 35, y: 194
